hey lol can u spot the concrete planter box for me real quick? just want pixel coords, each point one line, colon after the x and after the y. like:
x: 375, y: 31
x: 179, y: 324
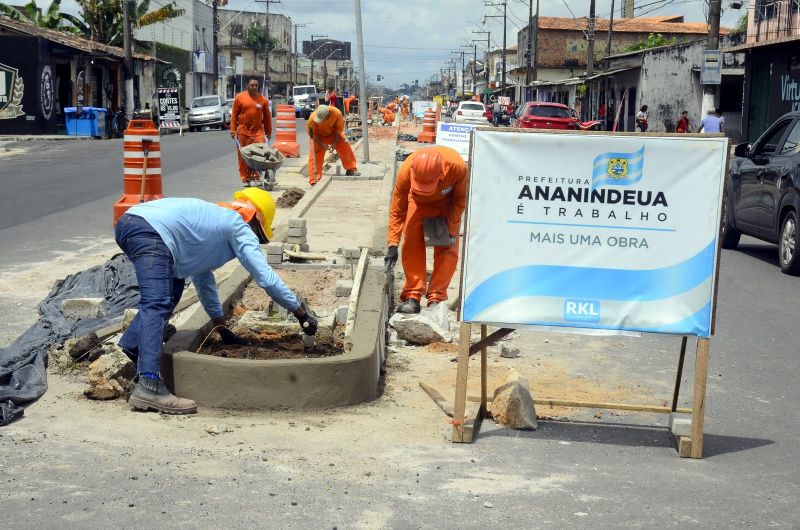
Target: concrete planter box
x: 298, y: 383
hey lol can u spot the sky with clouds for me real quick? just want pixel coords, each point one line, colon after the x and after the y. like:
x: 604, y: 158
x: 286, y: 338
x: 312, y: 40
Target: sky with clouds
x: 406, y: 40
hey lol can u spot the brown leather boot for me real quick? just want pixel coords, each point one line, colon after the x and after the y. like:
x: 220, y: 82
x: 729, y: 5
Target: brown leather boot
x: 152, y: 394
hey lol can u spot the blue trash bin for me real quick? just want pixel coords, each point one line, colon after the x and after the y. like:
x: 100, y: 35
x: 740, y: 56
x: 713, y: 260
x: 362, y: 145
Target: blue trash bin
x: 91, y: 121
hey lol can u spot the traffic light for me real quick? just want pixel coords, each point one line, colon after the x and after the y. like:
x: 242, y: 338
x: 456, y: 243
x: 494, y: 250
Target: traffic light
x: 380, y: 77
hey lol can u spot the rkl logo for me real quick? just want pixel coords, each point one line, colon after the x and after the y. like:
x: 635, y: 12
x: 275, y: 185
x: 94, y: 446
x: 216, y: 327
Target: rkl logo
x: 581, y: 310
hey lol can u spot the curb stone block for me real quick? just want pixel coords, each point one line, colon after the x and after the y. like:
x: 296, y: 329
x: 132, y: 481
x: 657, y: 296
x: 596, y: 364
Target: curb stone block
x: 297, y: 223
x: 344, y: 287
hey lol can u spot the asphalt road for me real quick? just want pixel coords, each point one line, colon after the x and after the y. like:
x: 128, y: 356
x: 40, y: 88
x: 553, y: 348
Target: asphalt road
x: 565, y: 475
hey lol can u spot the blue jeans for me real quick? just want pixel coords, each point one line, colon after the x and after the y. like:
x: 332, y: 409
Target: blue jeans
x: 159, y: 292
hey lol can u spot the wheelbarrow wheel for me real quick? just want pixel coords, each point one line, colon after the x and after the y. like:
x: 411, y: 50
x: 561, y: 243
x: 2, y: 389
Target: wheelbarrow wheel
x: 269, y: 180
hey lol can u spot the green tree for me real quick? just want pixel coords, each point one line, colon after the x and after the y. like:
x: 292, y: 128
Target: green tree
x: 741, y: 24
x: 52, y: 18
x: 255, y: 38
x: 654, y: 40
x: 102, y: 20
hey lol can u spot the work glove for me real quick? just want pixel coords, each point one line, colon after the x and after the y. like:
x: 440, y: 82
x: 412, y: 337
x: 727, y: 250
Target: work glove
x: 452, y: 240
x: 391, y: 257
x: 308, y: 323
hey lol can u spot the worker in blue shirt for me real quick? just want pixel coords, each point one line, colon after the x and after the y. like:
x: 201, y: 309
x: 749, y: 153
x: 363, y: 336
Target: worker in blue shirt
x: 169, y: 240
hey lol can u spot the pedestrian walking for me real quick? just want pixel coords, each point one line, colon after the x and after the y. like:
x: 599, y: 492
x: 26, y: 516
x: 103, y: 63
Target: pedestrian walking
x: 331, y: 98
x: 683, y: 123
x: 250, y: 123
x: 497, y: 111
x: 325, y: 130
x: 431, y: 191
x: 711, y: 123
x: 641, y: 119
x: 169, y: 240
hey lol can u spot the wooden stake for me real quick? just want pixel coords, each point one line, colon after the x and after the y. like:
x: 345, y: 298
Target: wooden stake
x: 699, y: 398
x: 484, y: 369
x: 460, y: 401
x: 679, y: 375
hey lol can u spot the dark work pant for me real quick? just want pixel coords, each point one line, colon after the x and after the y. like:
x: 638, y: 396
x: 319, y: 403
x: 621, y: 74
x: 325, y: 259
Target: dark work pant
x: 159, y: 292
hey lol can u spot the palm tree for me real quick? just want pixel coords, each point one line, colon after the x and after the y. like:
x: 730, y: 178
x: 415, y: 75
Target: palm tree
x: 53, y: 18
x: 102, y: 20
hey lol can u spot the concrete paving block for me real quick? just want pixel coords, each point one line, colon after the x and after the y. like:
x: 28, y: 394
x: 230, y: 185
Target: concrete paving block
x: 82, y: 308
x: 260, y: 321
x: 297, y: 231
x: 300, y: 240
x: 344, y: 287
x: 297, y: 223
x: 351, y: 252
x: 274, y: 248
x: 341, y: 314
x: 680, y: 424
x: 274, y: 259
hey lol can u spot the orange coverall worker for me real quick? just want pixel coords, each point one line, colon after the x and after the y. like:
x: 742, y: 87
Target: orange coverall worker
x: 404, y: 108
x: 325, y: 127
x: 432, y: 182
x: 250, y: 122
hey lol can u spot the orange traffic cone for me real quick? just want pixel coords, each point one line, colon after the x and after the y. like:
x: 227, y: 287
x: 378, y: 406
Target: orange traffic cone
x: 286, y: 132
x: 428, y: 135
x: 142, y: 166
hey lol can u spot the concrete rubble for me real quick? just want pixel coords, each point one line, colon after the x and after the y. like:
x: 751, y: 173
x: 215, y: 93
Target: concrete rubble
x: 509, y: 350
x: 82, y: 308
x: 110, y: 375
x: 512, y: 405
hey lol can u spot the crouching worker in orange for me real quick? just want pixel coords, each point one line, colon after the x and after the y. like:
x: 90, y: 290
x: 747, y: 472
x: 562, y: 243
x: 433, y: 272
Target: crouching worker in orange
x: 431, y: 183
x: 325, y: 130
x: 250, y: 123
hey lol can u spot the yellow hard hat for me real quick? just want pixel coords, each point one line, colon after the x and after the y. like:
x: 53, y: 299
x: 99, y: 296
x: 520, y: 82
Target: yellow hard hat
x: 263, y: 201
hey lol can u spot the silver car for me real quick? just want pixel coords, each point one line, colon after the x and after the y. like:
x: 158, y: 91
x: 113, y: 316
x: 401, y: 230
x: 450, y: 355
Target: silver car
x: 470, y: 112
x: 206, y: 111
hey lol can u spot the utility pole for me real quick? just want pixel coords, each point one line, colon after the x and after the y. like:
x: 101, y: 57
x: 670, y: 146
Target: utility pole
x: 530, y: 53
x: 627, y: 8
x: 463, y: 69
x: 267, y: 44
x: 294, y: 78
x: 128, y: 42
x: 214, y: 30
x: 486, y: 57
x: 503, y: 51
x: 313, y: 40
x: 714, y: 13
x: 362, y: 82
x: 587, y: 106
x: 610, y: 32
x: 474, y: 60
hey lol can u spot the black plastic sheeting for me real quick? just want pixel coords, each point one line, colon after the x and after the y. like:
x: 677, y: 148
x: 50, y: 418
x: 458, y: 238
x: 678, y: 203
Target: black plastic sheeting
x: 23, y: 374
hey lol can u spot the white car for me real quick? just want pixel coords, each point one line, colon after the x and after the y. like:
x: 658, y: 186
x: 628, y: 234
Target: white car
x: 471, y: 112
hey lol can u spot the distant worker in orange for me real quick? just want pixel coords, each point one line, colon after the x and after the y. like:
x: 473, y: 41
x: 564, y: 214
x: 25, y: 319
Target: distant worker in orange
x: 431, y: 183
x: 392, y: 106
x: 325, y: 130
x: 347, y: 102
x: 404, y: 108
x: 388, y: 116
x: 251, y: 123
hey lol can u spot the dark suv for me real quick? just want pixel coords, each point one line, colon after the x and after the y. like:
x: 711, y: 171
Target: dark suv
x: 762, y: 195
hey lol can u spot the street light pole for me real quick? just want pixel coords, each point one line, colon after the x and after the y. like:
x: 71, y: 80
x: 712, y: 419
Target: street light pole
x: 294, y: 78
x: 128, y: 39
x: 714, y: 13
x: 311, y: 55
x: 362, y: 82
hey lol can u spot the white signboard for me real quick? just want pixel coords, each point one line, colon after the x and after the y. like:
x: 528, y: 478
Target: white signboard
x: 418, y: 108
x: 593, y: 231
x: 455, y: 135
x: 711, y: 70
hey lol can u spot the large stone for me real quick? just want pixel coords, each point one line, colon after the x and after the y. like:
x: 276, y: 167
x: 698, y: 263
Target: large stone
x: 344, y: 287
x: 109, y: 374
x: 78, y: 348
x: 508, y: 350
x: 260, y: 322
x: 417, y: 329
x: 113, y: 365
x: 512, y: 405
x: 82, y: 308
x: 439, y: 313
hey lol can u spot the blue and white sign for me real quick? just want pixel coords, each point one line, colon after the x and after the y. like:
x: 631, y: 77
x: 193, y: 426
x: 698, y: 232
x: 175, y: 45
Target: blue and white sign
x: 418, y: 108
x: 456, y: 136
x: 593, y: 231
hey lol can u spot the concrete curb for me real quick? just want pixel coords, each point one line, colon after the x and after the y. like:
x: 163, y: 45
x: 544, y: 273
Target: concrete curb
x: 358, y: 279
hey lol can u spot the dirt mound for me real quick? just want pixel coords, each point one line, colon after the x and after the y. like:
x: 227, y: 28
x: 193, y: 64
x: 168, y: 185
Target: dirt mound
x: 289, y: 198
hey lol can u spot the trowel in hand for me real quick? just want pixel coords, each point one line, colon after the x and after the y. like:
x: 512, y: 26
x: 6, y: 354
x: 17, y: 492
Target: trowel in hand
x: 309, y: 341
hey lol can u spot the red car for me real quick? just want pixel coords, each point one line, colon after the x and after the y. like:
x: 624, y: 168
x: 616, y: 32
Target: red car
x: 541, y: 115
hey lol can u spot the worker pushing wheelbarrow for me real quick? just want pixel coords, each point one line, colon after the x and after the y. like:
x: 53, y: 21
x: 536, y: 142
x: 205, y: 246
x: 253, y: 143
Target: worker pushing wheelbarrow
x: 263, y: 161
x: 251, y: 125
